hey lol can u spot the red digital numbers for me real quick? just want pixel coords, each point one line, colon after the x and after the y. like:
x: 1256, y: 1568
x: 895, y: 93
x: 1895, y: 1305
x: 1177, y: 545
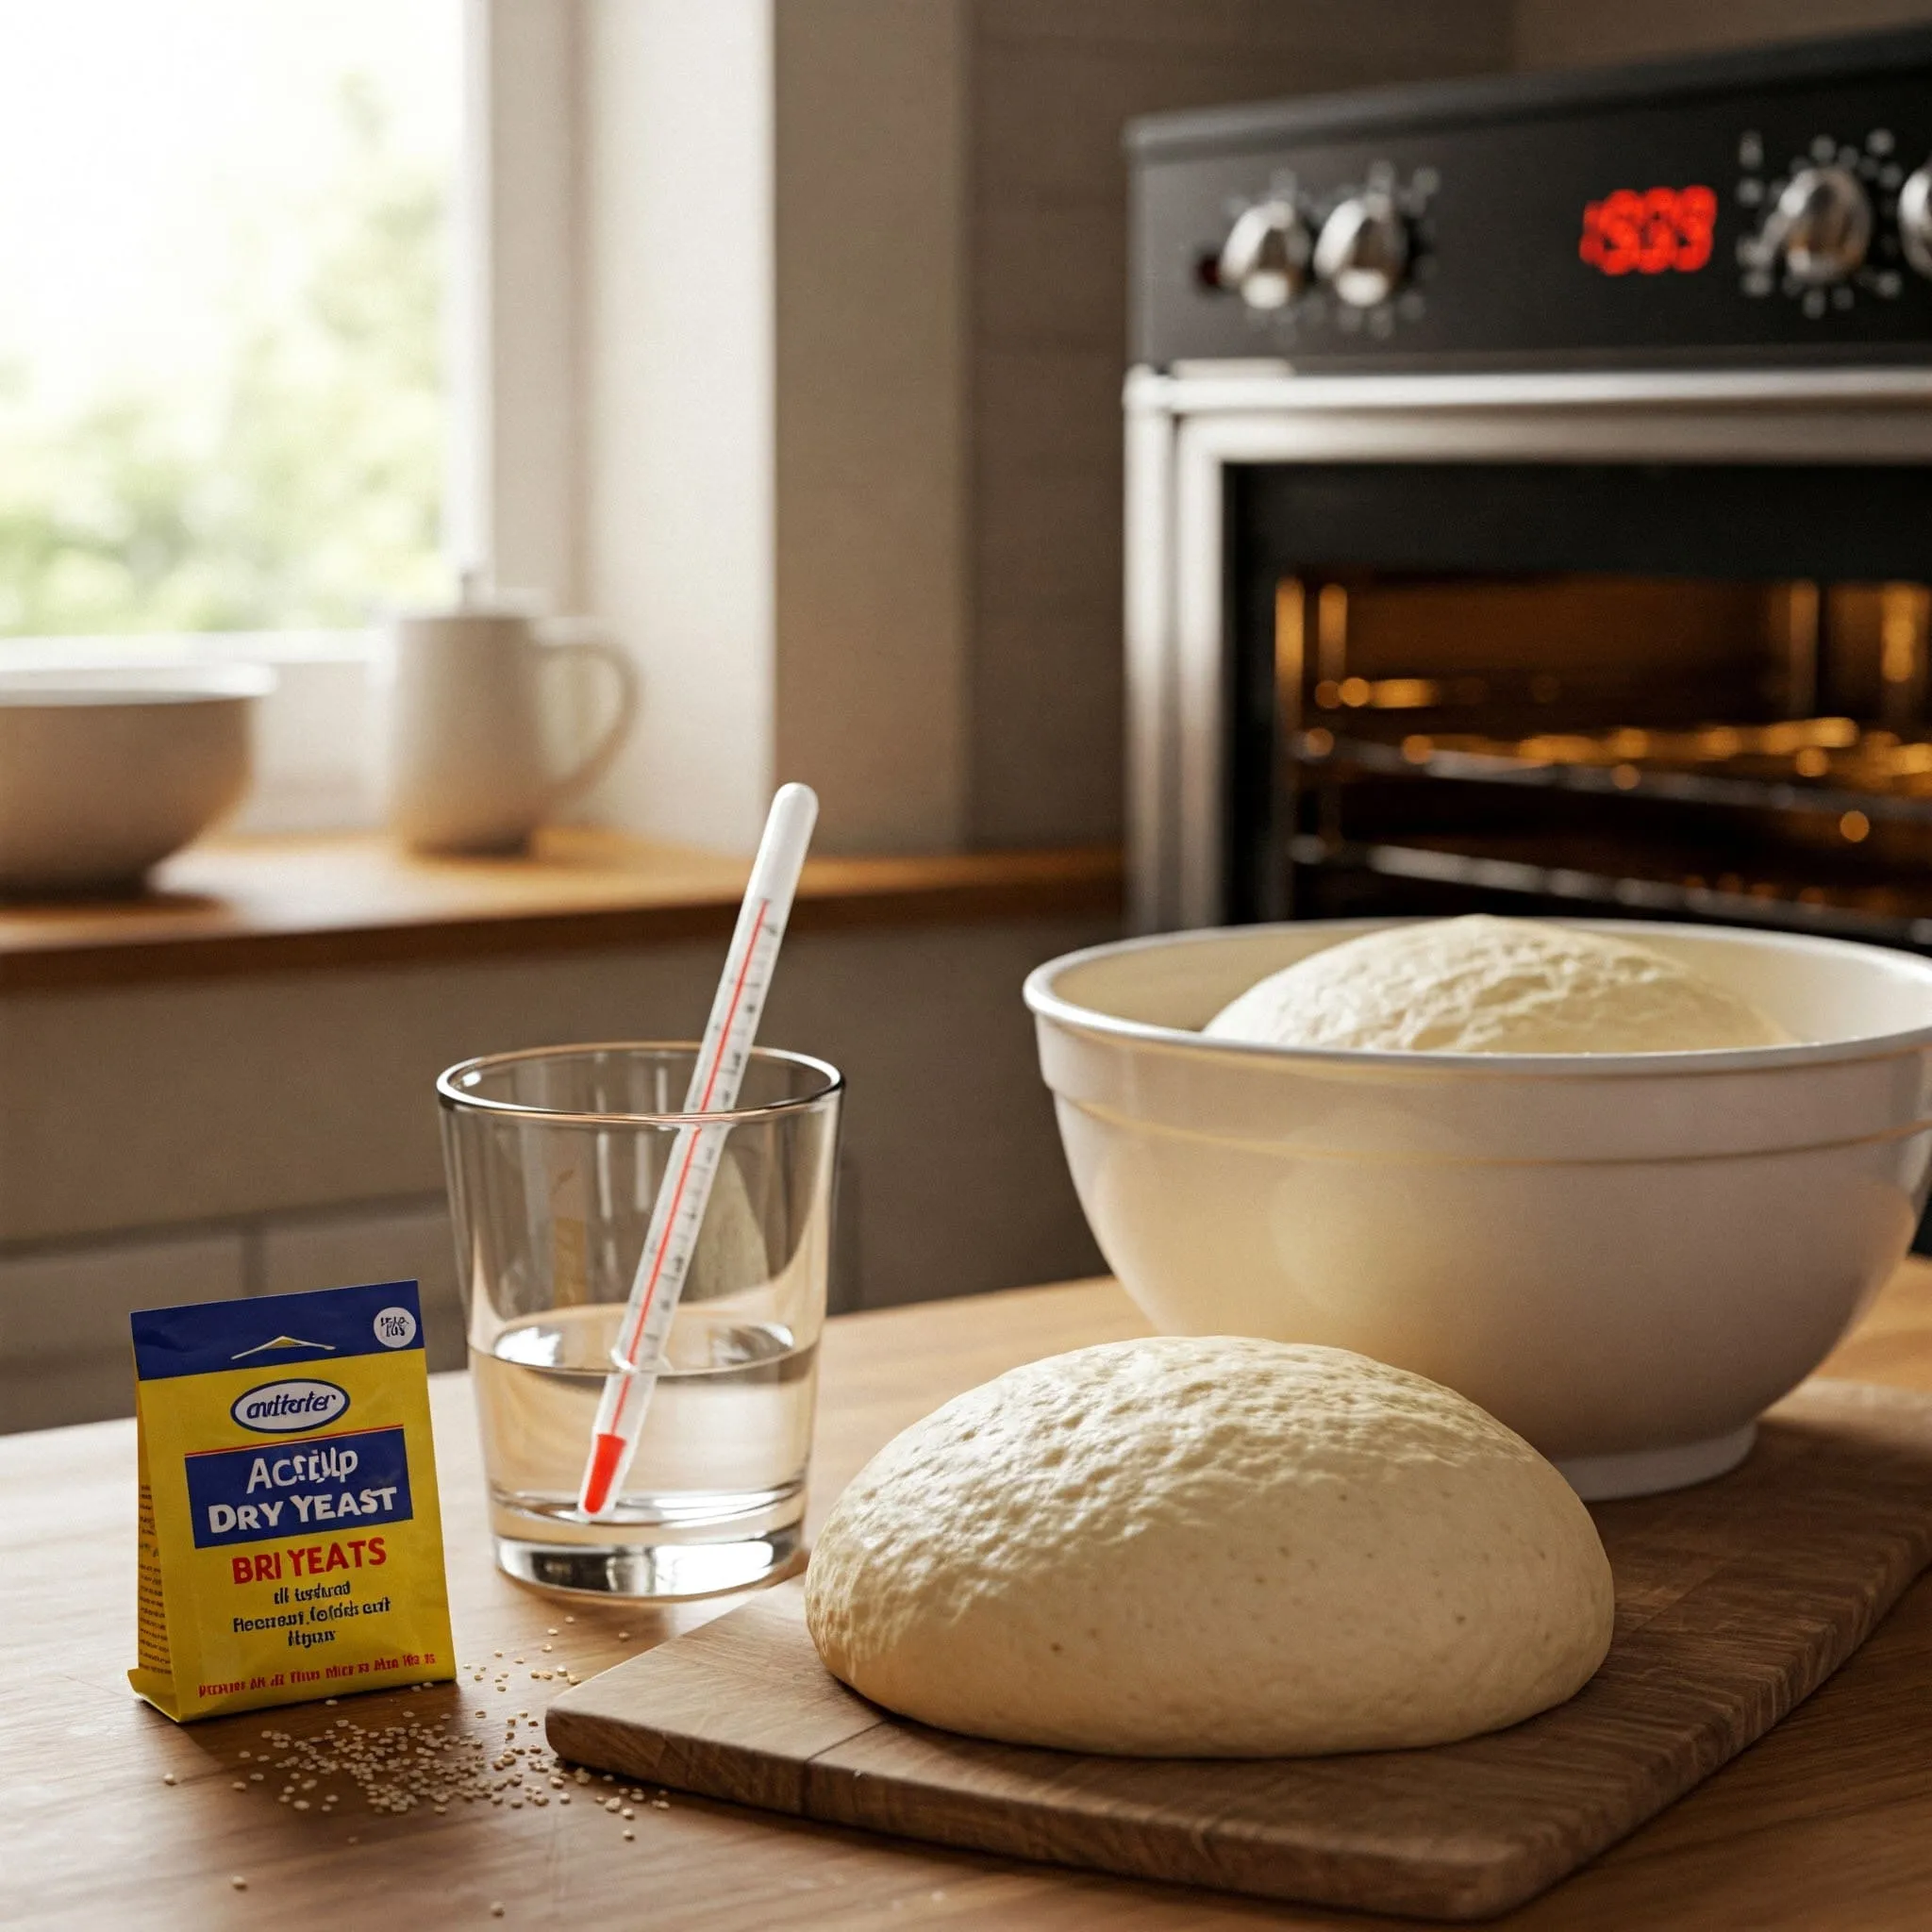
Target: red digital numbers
x: 1648, y: 234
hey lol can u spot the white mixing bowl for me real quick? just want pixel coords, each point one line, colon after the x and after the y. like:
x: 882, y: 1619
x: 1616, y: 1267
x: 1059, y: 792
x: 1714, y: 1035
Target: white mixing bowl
x: 1624, y: 1256
x: 105, y: 770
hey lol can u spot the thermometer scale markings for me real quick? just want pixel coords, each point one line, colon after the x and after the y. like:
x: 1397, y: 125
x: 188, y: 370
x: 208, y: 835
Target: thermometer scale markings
x: 697, y: 1151
x: 677, y: 1213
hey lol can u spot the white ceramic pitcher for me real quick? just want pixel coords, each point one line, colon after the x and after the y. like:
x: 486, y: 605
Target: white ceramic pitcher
x: 466, y: 769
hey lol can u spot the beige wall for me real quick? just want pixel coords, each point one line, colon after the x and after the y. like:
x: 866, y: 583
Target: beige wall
x: 1051, y: 84
x: 1567, y: 33
x: 869, y: 210
x: 250, y: 1136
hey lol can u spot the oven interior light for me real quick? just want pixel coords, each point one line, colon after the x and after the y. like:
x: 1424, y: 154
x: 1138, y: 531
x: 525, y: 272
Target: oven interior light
x: 1380, y: 693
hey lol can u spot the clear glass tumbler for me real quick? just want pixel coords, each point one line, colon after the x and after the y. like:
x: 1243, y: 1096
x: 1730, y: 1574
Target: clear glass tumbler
x: 554, y: 1158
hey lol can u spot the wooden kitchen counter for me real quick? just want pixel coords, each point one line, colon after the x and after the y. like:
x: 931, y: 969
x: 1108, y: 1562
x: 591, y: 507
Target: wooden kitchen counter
x: 1825, y: 1823
x: 232, y: 905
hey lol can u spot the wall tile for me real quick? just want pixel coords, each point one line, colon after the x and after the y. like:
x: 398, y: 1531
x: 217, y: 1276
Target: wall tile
x: 1051, y: 273
x: 1559, y: 33
x: 1037, y: 548
x: 1049, y: 406
x: 302, y: 1104
x: 405, y: 1242
x: 1396, y: 37
x: 287, y: 1092
x: 949, y: 1130
x: 1048, y: 762
x: 64, y: 1349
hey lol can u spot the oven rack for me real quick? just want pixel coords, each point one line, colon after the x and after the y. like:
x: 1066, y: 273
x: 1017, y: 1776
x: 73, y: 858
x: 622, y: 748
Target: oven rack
x: 1767, y: 905
x: 1832, y: 794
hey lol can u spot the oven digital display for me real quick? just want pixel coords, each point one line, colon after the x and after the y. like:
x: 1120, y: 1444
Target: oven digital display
x: 1649, y: 232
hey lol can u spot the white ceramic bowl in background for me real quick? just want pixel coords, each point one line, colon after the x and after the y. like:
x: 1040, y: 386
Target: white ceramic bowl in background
x: 1624, y: 1256
x: 105, y: 770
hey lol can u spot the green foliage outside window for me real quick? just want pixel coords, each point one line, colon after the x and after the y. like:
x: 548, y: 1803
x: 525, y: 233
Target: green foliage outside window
x: 303, y: 493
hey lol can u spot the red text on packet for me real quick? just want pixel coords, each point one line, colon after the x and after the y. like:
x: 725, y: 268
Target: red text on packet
x: 1648, y: 233
x: 310, y: 1559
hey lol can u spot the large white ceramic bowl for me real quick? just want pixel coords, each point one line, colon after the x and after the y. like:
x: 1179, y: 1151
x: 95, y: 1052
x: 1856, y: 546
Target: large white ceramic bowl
x: 1624, y: 1256
x: 105, y: 770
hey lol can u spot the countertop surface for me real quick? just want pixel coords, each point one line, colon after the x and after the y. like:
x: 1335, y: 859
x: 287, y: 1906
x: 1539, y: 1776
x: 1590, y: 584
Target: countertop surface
x: 112, y: 1815
x: 230, y: 906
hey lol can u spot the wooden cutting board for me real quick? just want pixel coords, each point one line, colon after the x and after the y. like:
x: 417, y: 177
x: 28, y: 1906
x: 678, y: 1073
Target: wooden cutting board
x: 1734, y: 1600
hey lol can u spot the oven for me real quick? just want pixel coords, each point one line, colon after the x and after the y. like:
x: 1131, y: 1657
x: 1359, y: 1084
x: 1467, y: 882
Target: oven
x: 1529, y: 498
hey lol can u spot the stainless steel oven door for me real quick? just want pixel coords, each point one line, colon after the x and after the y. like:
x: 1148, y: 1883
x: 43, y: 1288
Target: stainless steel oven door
x: 1184, y: 427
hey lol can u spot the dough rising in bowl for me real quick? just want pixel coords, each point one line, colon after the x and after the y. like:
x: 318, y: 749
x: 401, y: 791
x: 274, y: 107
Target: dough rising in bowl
x: 1210, y: 1546
x: 1481, y: 984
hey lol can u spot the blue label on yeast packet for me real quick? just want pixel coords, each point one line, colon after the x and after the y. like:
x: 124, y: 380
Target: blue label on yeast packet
x: 277, y: 1331
x: 333, y: 1486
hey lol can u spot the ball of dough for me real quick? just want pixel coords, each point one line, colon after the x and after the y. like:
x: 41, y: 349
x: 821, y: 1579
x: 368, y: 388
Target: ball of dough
x: 1486, y: 985
x: 1210, y: 1547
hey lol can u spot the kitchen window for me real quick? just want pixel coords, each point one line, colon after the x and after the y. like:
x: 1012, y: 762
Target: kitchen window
x: 225, y: 421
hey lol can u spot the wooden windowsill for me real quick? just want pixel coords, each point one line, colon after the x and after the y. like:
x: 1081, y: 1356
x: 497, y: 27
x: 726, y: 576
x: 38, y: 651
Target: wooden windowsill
x: 264, y: 905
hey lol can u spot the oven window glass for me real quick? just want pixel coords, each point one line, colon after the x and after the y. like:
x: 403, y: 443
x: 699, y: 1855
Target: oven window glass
x: 1674, y: 692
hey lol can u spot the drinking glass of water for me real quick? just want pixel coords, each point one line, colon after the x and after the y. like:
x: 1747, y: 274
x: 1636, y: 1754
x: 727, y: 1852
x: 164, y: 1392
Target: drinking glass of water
x: 555, y: 1157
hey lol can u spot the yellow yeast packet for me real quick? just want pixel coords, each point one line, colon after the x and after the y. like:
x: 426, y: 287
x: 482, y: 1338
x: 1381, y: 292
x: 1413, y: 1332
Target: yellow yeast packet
x: 290, y: 1538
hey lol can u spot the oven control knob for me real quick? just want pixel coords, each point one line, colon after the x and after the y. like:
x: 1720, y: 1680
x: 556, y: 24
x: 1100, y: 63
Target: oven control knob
x: 1363, y: 252
x: 1819, y: 229
x: 1915, y: 219
x: 1265, y: 257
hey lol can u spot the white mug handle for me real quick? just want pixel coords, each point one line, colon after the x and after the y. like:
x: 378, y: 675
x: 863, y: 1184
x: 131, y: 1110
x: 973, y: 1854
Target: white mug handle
x: 563, y: 637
